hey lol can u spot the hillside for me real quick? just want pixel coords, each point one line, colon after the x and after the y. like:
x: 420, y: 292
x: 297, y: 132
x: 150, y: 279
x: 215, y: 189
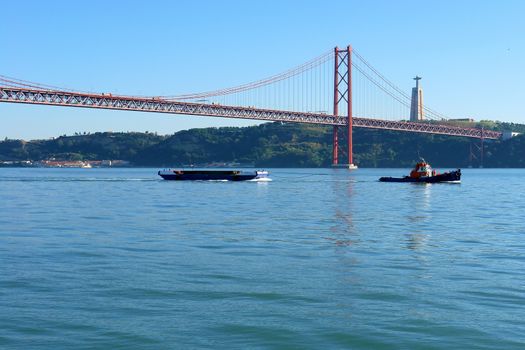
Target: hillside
x: 268, y: 145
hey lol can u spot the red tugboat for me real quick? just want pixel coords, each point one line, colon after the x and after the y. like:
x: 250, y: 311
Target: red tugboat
x: 423, y: 172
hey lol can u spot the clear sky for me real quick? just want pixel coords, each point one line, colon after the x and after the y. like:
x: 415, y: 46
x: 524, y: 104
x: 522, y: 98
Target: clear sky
x: 471, y: 54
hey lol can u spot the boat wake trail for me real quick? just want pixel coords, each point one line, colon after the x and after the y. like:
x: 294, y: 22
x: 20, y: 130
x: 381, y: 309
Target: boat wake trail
x: 62, y: 179
x: 264, y: 179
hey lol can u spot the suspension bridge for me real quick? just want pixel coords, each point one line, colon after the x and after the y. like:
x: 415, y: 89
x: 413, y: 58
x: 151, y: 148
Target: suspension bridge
x: 338, y: 88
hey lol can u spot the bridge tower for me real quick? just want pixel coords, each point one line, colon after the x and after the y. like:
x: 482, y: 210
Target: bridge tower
x: 343, y: 96
x: 416, y: 105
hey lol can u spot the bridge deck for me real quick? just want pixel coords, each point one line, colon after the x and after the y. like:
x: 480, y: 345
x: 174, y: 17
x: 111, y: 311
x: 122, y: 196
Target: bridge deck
x: 103, y: 101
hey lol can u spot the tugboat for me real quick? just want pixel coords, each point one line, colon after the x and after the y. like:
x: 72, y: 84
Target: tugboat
x: 423, y: 172
x: 217, y: 175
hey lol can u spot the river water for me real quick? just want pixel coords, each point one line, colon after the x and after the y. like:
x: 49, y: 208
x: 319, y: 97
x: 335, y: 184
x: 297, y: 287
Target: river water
x: 317, y: 258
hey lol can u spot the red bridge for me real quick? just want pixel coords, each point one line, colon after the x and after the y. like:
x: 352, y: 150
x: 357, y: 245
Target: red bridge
x: 311, y: 93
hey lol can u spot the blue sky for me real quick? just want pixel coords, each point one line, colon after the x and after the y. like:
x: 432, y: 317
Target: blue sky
x: 470, y: 53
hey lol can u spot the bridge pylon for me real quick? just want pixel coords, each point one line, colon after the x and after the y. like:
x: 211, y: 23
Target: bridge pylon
x: 343, y: 96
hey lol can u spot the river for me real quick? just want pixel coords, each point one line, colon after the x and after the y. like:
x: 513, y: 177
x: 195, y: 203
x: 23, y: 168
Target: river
x: 317, y: 258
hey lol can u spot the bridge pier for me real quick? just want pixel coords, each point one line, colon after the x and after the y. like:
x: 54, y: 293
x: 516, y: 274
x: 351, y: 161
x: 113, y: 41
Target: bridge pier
x: 335, y: 146
x: 349, y: 111
x: 342, y: 94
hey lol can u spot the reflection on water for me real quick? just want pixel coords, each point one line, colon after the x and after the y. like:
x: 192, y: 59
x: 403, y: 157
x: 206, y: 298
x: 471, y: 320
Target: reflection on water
x: 416, y: 241
x: 421, y: 201
x: 343, y: 227
x: 419, y: 215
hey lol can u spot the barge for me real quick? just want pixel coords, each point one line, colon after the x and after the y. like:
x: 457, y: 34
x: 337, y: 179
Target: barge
x: 217, y: 175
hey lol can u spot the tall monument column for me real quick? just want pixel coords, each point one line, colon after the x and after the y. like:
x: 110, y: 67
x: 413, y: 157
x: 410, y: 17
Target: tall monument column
x: 416, y: 105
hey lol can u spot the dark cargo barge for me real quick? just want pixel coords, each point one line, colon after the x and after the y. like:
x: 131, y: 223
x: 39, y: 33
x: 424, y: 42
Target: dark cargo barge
x: 217, y: 175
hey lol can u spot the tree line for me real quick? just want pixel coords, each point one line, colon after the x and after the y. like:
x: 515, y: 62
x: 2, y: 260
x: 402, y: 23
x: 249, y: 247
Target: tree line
x: 272, y: 145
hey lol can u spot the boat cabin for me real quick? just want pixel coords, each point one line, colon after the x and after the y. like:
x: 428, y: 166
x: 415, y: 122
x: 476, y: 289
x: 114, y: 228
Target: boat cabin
x: 422, y: 169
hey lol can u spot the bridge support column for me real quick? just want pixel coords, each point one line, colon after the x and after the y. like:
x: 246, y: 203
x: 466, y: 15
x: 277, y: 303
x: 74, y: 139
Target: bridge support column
x: 481, y: 149
x: 350, y: 121
x: 335, y: 146
x: 343, y: 94
x: 335, y: 137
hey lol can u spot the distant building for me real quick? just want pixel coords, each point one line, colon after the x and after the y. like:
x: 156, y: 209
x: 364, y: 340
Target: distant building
x: 469, y: 120
x: 416, y: 105
x: 508, y: 135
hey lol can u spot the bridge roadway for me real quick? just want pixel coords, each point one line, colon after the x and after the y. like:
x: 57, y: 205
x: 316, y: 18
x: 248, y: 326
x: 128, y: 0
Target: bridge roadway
x: 107, y: 101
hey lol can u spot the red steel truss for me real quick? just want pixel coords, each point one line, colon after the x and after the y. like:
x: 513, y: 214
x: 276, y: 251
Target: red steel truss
x: 426, y: 127
x: 103, y: 101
